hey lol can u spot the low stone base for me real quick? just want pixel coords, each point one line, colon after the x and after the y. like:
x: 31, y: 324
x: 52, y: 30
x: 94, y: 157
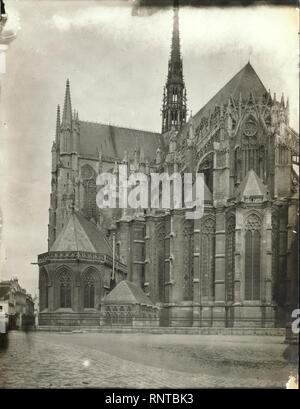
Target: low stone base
x: 253, y: 316
x: 180, y: 315
x: 280, y: 332
x: 69, y: 319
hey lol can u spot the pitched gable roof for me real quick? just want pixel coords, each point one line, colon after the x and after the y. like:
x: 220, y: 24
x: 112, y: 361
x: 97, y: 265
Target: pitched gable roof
x: 244, y: 82
x: 252, y: 185
x: 79, y: 234
x: 128, y: 293
x: 112, y: 140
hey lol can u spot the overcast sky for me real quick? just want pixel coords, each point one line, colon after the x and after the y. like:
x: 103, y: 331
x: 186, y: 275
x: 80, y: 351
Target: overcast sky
x: 117, y: 65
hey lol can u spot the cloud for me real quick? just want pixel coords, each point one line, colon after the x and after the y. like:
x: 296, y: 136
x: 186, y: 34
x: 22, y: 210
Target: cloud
x: 91, y: 17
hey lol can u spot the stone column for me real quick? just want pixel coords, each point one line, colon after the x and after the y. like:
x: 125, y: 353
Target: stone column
x: 292, y: 268
x: 268, y: 318
x: 219, y: 313
x: 124, y: 238
x: 238, y: 295
x: 138, y: 243
x: 196, y: 280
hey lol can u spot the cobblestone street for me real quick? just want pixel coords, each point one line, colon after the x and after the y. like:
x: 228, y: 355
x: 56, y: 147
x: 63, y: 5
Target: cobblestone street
x: 97, y: 360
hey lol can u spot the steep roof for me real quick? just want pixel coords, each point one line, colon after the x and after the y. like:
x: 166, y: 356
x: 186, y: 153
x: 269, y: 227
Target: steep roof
x: 244, y: 82
x: 114, y: 140
x: 252, y: 185
x: 128, y: 293
x: 79, y: 234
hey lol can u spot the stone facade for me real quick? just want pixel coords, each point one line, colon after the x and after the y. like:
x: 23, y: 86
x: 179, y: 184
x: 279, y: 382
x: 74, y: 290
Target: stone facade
x: 75, y: 274
x: 17, y: 305
x: 128, y: 306
x: 235, y: 266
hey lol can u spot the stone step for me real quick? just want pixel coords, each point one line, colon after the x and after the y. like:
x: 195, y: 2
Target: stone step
x: 168, y: 330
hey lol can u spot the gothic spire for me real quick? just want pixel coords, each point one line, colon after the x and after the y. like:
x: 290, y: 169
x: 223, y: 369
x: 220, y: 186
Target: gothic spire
x: 175, y: 64
x: 67, y: 113
x: 174, y: 99
x: 57, y: 133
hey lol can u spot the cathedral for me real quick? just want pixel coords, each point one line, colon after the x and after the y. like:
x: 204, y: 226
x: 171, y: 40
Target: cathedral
x: 236, y: 266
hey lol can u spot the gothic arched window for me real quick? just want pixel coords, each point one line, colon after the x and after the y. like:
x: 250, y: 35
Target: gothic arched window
x: 65, y: 287
x: 275, y: 257
x: 89, y: 281
x: 43, y: 289
x: 208, y: 258
x: 230, y: 255
x: 252, y: 258
x: 160, y: 260
x: 188, y: 264
x: 90, y: 191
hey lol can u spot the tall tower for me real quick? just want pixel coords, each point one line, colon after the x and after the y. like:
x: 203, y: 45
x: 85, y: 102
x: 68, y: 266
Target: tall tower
x: 174, y: 99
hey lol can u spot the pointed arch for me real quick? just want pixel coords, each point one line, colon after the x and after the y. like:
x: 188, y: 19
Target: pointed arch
x: 64, y: 286
x: 205, y: 166
x: 230, y: 257
x: 275, y: 258
x: 207, y: 263
x: 252, y: 257
x: 89, y: 290
x: 160, y: 233
x: 88, y: 176
x: 90, y: 282
x: 43, y: 289
x: 188, y: 248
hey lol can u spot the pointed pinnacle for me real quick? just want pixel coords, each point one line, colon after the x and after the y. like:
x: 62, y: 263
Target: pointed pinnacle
x: 115, y: 170
x: 67, y: 113
x: 287, y: 103
x: 57, y: 124
x: 142, y: 156
x: 125, y: 159
x: 282, y: 100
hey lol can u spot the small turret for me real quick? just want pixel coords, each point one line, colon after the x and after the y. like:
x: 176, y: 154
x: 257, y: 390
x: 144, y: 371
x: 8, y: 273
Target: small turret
x: 172, y: 142
x: 125, y: 159
x: 287, y: 111
x: 100, y: 167
x: 158, y: 158
x: 115, y: 169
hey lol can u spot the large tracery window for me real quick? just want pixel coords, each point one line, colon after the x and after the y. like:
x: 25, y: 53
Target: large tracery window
x: 230, y: 255
x: 160, y: 260
x: 65, y: 287
x: 207, y: 258
x: 275, y: 258
x: 90, y: 191
x: 188, y: 264
x: 252, y: 258
x: 43, y: 289
x: 89, y: 281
